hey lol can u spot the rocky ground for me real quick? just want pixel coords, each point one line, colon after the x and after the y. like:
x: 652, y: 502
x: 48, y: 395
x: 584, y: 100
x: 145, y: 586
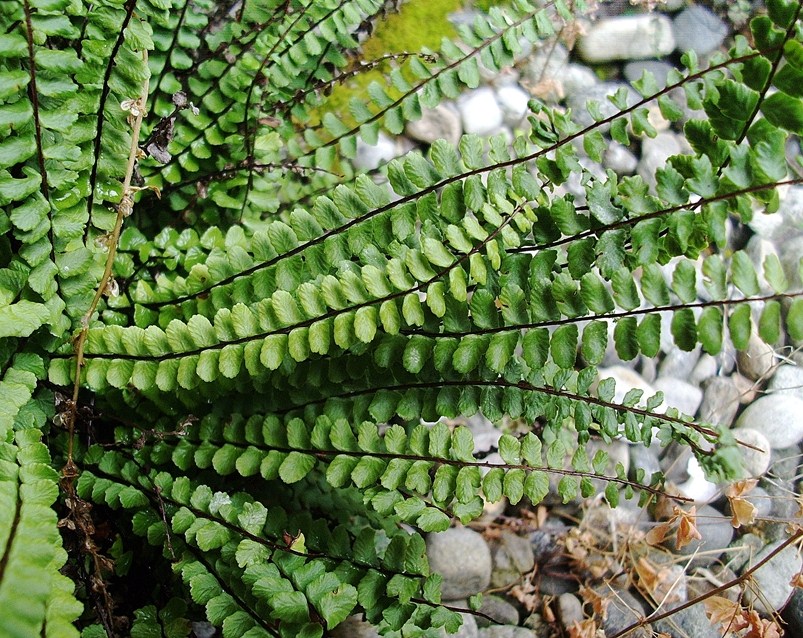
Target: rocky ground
x: 565, y: 570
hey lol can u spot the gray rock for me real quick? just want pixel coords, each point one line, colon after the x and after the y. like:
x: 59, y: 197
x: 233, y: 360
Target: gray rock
x: 626, y: 379
x: 627, y: 38
x: 577, y: 78
x: 759, y: 249
x: 620, y: 159
x: 624, y: 609
x: 705, y: 369
x: 354, y: 627
x: 793, y: 614
x: 755, y: 463
x: 717, y: 533
x: 503, y: 612
x: 678, y: 363
x: 791, y: 210
x: 770, y: 588
x: 468, y: 629
x: 545, y: 546
x: 743, y: 550
x: 758, y: 360
x: 779, y: 417
x: 645, y: 458
x: 721, y: 401
x: 785, y: 463
x: 679, y: 394
x: 371, y: 157
x: 539, y: 627
x: 442, y: 122
x: 512, y: 556
x: 659, y: 69
x: 545, y: 64
x: 790, y: 260
x: 691, y: 622
x: 505, y: 631
x: 513, y: 101
x: 654, y: 154
x: 204, y: 629
x: 788, y: 379
x: 697, y: 29
x: 570, y: 608
x: 704, y: 580
x: 761, y: 500
x: 463, y: 558
x: 598, y: 93
x: 480, y: 112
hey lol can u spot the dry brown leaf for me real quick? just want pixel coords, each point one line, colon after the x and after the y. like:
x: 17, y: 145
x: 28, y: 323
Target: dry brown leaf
x: 583, y: 629
x: 598, y: 602
x: 744, y: 512
x: 687, y: 528
x: 761, y: 627
x: 658, y: 533
x: 797, y: 580
x: 726, y: 613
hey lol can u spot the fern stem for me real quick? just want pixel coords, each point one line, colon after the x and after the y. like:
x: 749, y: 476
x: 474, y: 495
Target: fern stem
x: 124, y: 209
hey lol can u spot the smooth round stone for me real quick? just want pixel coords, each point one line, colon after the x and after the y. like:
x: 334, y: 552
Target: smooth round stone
x: 461, y: 556
x: 354, y: 627
x: 691, y: 621
x: 697, y: 487
x: 755, y: 463
x: 598, y: 93
x: 790, y: 260
x: 654, y: 154
x: 512, y: 556
x: 480, y: 112
x: 679, y: 394
x: 513, y: 100
x: 705, y: 369
x: 624, y: 609
x: 771, y: 588
x: 679, y: 363
x: 759, y: 250
x: 791, y: 210
x: 442, y: 122
x: 620, y: 159
x: 627, y: 38
x: 571, y: 609
x: 758, y: 360
x: 370, y: 157
x: 697, y: 29
x: 716, y: 531
x: 503, y: 612
x: 788, y: 379
x: 505, y: 631
x: 659, y: 69
x: 626, y: 379
x: 778, y: 417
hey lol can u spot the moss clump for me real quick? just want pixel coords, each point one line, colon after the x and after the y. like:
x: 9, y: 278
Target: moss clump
x: 419, y: 24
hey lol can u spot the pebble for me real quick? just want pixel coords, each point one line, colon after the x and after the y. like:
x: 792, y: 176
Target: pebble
x: 697, y: 487
x: 793, y: 614
x: 757, y: 360
x: 755, y: 463
x: 645, y: 458
x: 788, y: 379
x: 620, y: 159
x: 512, y: 556
x: 627, y: 38
x: 505, y: 631
x: 659, y: 69
x: 655, y: 152
x: 598, y: 93
x: 679, y: 394
x: 503, y: 612
x: 570, y: 608
x: 705, y: 369
x: 354, y: 627
x: 513, y: 101
x: 679, y: 363
x: 791, y: 210
x: 577, y: 78
x: 463, y: 558
x: 770, y: 588
x: 626, y: 379
x: 370, y: 157
x: 759, y: 249
x: 698, y: 29
x: 778, y: 417
x: 691, y: 622
x: 790, y: 260
x: 480, y: 112
x: 624, y: 609
x: 703, y: 580
x: 743, y: 550
x: 442, y: 122
x: 717, y: 533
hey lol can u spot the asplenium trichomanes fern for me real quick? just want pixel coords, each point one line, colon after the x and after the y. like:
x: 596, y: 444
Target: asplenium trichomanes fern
x: 262, y: 337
